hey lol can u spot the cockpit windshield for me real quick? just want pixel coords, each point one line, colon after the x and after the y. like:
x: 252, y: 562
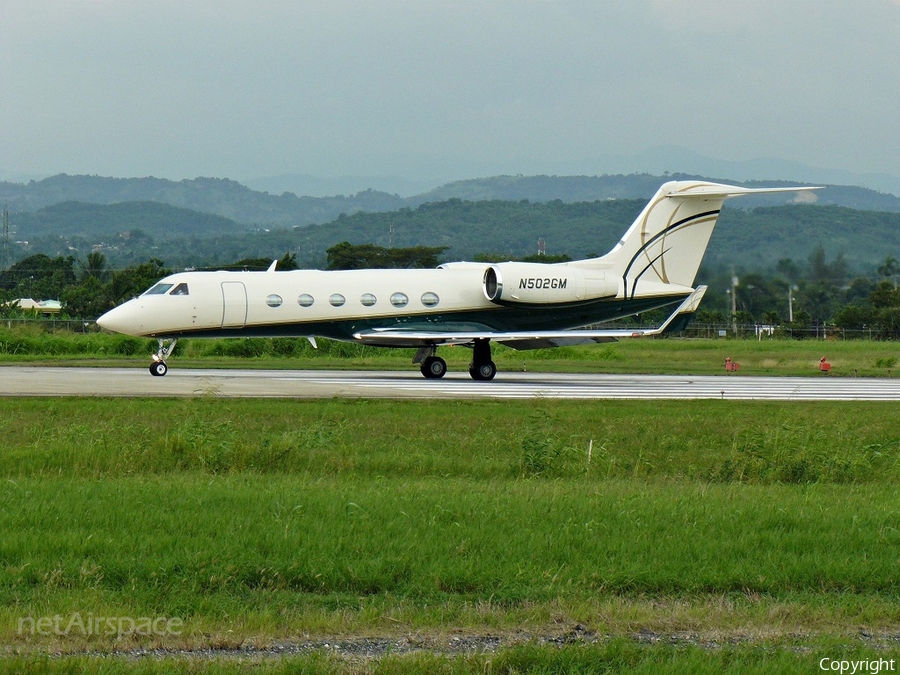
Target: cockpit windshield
x: 180, y: 289
x: 159, y: 289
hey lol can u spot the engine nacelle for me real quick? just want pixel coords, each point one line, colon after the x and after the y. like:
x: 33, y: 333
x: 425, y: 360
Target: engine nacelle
x: 534, y: 283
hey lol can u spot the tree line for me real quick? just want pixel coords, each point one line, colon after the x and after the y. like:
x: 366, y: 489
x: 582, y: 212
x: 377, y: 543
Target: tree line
x: 794, y: 294
x: 87, y: 288
x: 129, y: 234
x: 817, y: 292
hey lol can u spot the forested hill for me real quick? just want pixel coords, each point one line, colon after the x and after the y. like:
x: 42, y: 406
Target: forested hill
x: 239, y: 203
x: 99, y: 222
x: 571, y: 189
x: 754, y: 239
x: 221, y: 197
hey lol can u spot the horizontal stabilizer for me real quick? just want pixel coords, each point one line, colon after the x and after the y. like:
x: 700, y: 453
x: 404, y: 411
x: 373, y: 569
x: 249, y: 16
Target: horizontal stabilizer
x: 718, y: 191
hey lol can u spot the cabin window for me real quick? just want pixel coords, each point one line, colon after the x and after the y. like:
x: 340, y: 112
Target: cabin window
x: 180, y: 289
x: 305, y: 300
x: 273, y: 300
x: 337, y: 300
x: 367, y: 299
x: 430, y: 299
x: 159, y: 289
x: 399, y: 300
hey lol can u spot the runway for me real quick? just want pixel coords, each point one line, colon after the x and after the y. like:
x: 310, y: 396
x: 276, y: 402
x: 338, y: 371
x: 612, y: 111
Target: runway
x: 133, y: 382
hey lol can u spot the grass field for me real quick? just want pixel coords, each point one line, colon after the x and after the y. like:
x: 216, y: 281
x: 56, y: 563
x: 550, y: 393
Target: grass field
x: 696, y: 356
x: 732, y: 536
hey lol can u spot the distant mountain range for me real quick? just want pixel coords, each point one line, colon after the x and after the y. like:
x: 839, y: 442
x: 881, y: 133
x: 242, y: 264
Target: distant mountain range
x: 232, y: 200
x: 101, y: 222
x: 209, y: 221
x: 669, y: 158
x: 658, y: 160
x: 133, y: 232
x: 218, y: 196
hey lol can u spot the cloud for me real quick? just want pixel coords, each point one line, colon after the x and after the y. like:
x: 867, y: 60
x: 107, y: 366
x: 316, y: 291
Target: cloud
x: 246, y: 88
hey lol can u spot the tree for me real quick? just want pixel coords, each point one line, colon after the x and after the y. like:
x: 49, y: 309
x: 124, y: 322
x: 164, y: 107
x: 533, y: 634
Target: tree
x: 38, y: 276
x: 759, y: 295
x: 789, y: 270
x: 420, y: 257
x: 855, y: 317
x: 819, y: 299
x: 885, y: 295
x: 288, y: 263
x: 347, y: 256
x: 90, y: 297
x: 135, y: 280
x: 888, y: 322
x: 86, y: 300
x: 890, y: 268
x: 771, y: 318
x: 859, y: 291
x: 95, y: 266
x: 823, y: 272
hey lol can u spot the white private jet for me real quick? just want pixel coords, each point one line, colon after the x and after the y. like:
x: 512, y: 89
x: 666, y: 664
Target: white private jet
x: 522, y: 305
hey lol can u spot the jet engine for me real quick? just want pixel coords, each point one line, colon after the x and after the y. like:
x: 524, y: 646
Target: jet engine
x: 514, y: 283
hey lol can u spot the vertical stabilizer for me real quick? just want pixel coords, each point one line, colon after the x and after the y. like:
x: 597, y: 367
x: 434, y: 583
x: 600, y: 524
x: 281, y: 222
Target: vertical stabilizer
x: 665, y: 245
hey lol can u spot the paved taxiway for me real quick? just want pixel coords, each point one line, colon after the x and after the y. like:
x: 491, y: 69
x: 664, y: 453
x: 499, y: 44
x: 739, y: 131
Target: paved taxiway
x: 54, y: 381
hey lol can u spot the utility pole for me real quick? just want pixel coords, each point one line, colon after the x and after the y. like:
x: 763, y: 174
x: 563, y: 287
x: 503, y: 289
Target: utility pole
x: 791, y: 289
x: 5, y: 237
x: 734, y: 285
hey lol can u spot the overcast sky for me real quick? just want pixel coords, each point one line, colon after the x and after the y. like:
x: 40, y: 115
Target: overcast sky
x: 443, y: 90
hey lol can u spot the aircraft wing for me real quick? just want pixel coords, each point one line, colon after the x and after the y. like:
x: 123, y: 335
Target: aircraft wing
x: 400, y: 337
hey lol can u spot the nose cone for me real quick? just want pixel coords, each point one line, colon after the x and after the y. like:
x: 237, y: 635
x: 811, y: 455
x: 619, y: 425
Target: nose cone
x: 122, y: 319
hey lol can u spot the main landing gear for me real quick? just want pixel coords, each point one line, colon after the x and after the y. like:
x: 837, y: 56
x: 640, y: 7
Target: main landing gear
x: 482, y: 368
x: 159, y: 368
x: 434, y: 367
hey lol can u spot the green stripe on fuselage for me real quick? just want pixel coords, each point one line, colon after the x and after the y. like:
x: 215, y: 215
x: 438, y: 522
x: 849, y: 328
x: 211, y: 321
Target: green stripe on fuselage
x: 500, y: 319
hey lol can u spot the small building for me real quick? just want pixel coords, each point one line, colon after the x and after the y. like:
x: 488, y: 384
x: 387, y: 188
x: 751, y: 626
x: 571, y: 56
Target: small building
x: 45, y: 307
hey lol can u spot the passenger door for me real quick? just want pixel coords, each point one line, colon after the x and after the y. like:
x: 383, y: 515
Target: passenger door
x: 234, y: 308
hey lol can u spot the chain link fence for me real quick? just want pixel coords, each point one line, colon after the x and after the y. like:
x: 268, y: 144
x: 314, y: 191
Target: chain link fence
x: 723, y: 331
x: 52, y: 324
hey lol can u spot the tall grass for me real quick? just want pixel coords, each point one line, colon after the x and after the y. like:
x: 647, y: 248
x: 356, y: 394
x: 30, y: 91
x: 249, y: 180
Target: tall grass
x: 258, y: 521
x: 193, y: 536
x: 714, y: 441
x: 276, y: 557
x: 696, y: 356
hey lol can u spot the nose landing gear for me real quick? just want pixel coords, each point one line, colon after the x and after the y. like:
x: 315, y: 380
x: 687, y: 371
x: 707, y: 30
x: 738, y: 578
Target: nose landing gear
x: 159, y: 368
